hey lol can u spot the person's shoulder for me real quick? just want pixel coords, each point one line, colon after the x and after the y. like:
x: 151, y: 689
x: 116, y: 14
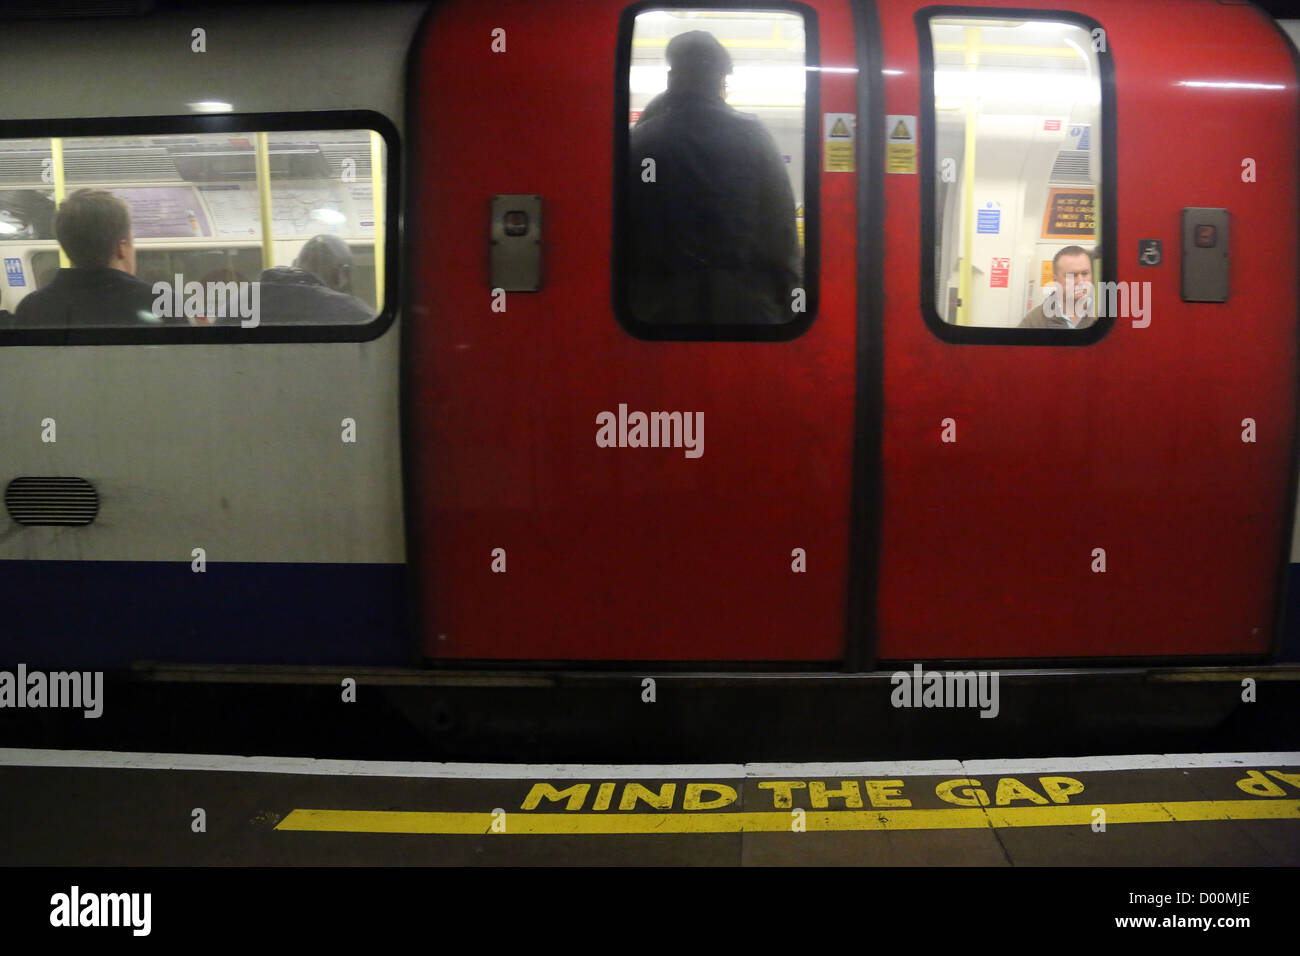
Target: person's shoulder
x: 1036, y: 319
x: 32, y: 301
x: 132, y: 283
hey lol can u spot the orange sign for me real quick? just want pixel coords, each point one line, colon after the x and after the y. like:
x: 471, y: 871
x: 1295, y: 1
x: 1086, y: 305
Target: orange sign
x: 1071, y: 214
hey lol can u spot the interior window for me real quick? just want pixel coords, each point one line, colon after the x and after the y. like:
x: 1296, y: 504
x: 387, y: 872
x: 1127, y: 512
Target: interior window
x: 274, y: 228
x: 1017, y: 148
x: 713, y: 228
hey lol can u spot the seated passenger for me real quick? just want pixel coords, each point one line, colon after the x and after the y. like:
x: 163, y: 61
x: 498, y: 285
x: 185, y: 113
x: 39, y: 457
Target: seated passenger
x: 1072, y: 272
x: 315, y: 289
x: 94, y: 228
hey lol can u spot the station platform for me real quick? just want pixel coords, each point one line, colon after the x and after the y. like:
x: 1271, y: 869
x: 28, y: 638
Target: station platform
x: 100, y: 808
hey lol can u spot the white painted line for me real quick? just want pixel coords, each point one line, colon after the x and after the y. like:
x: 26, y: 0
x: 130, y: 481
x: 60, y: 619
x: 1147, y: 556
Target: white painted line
x: 1131, y: 762
x: 112, y: 760
x: 881, y: 769
x: 368, y: 768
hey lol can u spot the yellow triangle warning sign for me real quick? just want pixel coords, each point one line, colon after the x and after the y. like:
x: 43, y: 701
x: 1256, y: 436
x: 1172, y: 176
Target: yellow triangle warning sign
x: 840, y: 129
x: 900, y: 131
x: 798, y: 211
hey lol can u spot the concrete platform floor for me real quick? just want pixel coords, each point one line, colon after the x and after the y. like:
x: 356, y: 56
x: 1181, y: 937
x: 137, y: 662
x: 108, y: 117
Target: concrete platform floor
x: 87, y: 808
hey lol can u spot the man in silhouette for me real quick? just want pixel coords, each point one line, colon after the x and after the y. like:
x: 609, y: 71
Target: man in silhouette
x: 712, y: 224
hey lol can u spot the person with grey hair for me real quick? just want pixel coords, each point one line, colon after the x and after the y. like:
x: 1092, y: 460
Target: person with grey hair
x: 712, y: 237
x: 316, y: 289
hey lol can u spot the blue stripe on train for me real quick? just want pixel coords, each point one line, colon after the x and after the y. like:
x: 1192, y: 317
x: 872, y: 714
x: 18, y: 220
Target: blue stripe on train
x: 107, y: 614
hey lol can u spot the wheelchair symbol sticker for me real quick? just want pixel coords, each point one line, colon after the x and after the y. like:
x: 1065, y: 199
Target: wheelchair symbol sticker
x: 1149, y: 253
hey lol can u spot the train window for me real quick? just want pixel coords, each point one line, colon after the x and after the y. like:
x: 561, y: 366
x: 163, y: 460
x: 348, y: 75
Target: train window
x: 714, y: 143
x: 1017, y: 196
x: 244, y: 228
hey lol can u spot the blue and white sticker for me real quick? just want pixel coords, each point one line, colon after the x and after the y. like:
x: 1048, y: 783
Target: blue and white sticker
x: 988, y: 220
x: 14, y: 273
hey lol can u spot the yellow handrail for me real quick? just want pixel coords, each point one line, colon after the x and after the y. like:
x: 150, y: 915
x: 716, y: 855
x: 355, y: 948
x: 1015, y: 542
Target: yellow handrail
x: 377, y: 201
x: 264, y: 198
x: 968, y: 199
x: 60, y: 187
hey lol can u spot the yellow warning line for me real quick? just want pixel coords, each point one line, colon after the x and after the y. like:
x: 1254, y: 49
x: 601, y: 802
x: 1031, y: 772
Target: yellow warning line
x: 525, y: 822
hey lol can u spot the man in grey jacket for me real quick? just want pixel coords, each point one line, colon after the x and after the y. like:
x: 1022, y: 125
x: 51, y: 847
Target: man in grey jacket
x: 1072, y: 272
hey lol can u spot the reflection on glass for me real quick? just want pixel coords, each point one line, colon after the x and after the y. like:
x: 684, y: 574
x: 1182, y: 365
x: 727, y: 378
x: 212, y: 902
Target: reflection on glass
x: 715, y: 175
x: 1018, y: 161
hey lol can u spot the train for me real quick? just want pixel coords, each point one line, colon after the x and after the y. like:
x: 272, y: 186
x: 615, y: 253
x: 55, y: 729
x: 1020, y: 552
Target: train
x: 902, y: 470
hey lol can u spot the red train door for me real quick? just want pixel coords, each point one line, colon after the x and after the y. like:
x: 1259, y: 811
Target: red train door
x: 1117, y: 488
x: 541, y: 529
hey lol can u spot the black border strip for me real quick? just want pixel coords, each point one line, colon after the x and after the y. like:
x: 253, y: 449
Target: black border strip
x: 698, y: 332
x: 1283, y: 613
x: 978, y: 335
x: 867, y: 473
x: 303, y: 121
x: 415, y: 496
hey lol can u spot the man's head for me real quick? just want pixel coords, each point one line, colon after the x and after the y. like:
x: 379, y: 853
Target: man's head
x: 94, y: 228
x: 329, y: 258
x: 1072, y: 270
x: 697, y: 62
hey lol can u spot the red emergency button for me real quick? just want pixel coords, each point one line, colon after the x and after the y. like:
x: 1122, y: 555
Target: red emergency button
x: 516, y: 222
x: 1205, y: 237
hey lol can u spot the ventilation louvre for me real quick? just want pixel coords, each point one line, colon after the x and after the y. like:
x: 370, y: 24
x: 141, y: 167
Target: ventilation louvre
x: 1071, y: 167
x: 51, y: 501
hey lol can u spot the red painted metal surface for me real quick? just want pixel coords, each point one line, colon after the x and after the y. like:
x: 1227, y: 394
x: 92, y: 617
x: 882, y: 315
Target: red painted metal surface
x: 1132, y: 444
x: 610, y: 553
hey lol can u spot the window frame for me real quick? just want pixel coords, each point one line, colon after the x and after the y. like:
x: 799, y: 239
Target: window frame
x: 812, y: 172
x: 163, y: 125
x: 992, y: 335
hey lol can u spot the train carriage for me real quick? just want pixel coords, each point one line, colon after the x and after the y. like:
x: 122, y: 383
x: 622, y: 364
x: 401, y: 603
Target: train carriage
x: 507, y: 464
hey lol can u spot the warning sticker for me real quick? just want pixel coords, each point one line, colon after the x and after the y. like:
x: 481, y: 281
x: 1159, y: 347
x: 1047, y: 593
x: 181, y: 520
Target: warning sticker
x: 1000, y: 273
x: 798, y: 221
x: 838, y: 140
x: 900, y: 144
x: 1044, y: 273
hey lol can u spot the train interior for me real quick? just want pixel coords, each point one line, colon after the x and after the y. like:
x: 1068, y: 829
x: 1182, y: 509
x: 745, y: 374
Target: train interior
x: 1018, y: 150
x: 197, y: 202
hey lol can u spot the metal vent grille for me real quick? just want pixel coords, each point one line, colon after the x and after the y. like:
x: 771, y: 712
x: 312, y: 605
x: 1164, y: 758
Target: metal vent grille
x: 359, y: 153
x: 125, y: 165
x: 1071, y: 167
x: 52, y: 501
x: 23, y: 168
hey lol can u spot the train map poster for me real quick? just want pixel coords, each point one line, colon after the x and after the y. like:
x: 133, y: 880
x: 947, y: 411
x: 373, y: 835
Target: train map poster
x: 165, y: 212
x: 302, y: 210
x: 1071, y: 214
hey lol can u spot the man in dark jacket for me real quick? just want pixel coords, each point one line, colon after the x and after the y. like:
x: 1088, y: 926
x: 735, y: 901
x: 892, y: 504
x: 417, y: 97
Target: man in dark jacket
x: 315, y: 289
x: 712, y: 232
x: 94, y: 228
